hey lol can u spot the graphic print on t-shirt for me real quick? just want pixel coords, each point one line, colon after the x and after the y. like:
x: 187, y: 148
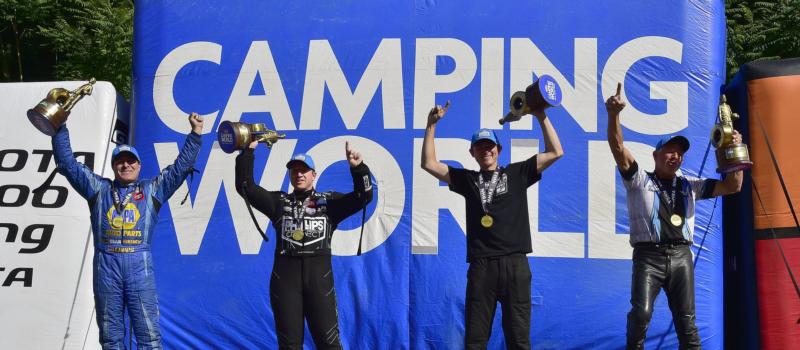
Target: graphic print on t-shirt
x: 502, y: 185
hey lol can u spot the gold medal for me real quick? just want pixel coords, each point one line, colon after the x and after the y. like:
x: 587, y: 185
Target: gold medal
x: 297, y: 235
x: 487, y: 221
x: 676, y: 220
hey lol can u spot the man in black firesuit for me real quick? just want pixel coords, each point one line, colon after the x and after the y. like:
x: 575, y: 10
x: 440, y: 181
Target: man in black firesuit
x: 301, y: 285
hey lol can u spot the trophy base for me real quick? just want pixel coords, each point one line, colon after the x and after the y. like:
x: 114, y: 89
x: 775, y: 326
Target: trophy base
x: 734, y: 167
x: 733, y: 158
x: 41, y: 123
x: 542, y: 94
x: 232, y: 136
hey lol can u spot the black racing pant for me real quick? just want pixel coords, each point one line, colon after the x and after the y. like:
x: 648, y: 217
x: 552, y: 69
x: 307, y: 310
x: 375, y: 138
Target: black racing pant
x: 302, y: 287
x: 669, y: 267
x: 506, y: 279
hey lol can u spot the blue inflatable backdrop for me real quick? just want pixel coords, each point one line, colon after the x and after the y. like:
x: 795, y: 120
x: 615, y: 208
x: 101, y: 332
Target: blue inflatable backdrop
x: 368, y: 71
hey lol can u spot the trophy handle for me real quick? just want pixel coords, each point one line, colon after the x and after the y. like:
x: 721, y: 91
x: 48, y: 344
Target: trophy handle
x: 270, y: 137
x: 77, y: 94
x: 58, y: 95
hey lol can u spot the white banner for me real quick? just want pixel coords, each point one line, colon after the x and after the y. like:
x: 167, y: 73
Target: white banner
x: 46, y: 299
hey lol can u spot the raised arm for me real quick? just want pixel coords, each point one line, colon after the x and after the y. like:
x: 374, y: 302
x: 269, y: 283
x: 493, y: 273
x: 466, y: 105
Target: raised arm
x: 622, y: 155
x: 733, y: 181
x: 429, y: 162
x: 350, y: 203
x: 168, y: 181
x: 267, y: 202
x: 82, y: 179
x: 552, y: 145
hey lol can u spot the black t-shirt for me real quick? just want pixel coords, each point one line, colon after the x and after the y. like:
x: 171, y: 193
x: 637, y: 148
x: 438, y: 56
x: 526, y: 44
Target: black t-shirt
x: 510, y: 232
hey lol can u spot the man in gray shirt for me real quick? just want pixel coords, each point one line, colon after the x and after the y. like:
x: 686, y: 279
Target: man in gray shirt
x: 661, y: 214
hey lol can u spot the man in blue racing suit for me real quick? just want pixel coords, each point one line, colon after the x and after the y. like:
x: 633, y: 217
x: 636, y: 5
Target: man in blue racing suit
x: 124, y: 213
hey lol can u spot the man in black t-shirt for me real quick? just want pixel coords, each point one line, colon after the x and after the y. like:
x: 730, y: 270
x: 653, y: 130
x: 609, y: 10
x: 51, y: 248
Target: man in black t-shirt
x: 498, y: 233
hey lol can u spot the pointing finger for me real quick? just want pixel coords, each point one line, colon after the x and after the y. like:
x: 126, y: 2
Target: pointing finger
x: 619, y: 88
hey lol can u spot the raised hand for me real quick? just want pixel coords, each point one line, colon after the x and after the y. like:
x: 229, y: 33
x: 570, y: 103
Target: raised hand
x: 437, y: 113
x: 615, y: 104
x: 737, y: 137
x: 353, y: 157
x: 197, y: 123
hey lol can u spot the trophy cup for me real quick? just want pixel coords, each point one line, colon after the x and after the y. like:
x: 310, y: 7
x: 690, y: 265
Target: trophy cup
x: 543, y: 93
x: 730, y: 157
x: 238, y: 135
x: 54, y: 109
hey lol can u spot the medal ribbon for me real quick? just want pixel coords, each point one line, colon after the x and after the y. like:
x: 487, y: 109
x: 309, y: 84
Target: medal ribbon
x: 669, y: 199
x: 487, y: 190
x: 298, y: 210
x: 120, y: 206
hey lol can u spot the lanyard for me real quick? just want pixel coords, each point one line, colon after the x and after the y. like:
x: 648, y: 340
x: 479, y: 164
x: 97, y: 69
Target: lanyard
x: 298, y: 209
x: 120, y: 206
x: 669, y: 198
x: 487, y: 190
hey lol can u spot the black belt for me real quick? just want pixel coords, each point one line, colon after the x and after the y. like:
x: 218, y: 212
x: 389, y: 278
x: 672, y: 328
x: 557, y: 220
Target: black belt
x: 658, y: 245
x: 498, y: 257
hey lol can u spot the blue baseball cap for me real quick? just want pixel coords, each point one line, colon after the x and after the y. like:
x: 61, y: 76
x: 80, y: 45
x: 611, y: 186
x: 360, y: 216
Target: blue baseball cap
x: 123, y: 149
x: 680, y: 140
x: 302, y: 158
x: 484, y: 134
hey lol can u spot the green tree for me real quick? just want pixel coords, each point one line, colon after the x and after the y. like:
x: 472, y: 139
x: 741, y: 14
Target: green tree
x: 93, y: 38
x: 22, y: 55
x: 760, y: 30
x: 67, y: 40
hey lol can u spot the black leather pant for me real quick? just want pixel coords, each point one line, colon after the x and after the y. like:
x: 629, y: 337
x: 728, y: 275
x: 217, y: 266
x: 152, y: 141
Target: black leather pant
x: 671, y: 268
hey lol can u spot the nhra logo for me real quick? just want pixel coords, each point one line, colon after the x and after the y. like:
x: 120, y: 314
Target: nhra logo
x: 125, y: 220
x: 550, y: 88
x: 226, y: 137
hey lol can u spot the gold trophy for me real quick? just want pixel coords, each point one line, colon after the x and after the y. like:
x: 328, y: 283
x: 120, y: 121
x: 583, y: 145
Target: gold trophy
x: 54, y: 109
x: 543, y: 93
x: 238, y: 135
x: 730, y: 157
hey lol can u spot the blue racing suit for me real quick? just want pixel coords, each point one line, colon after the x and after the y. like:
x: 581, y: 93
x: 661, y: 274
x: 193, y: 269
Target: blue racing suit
x: 123, y: 265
